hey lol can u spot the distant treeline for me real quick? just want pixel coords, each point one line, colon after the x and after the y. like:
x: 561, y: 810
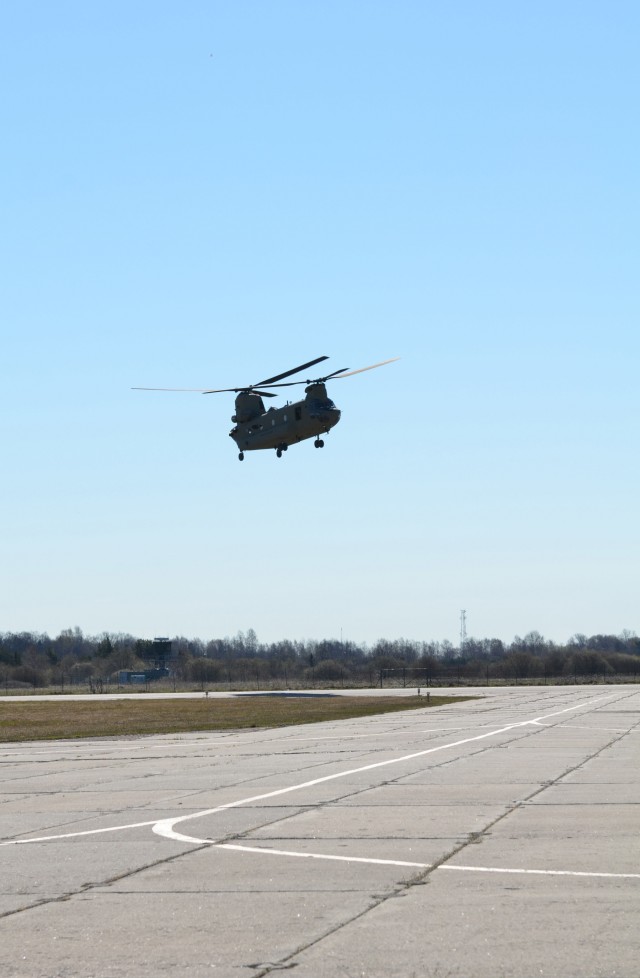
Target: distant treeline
x: 35, y: 660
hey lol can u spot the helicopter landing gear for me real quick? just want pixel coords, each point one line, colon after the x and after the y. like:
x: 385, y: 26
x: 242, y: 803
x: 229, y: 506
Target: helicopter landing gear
x: 241, y: 456
x: 280, y: 449
x: 319, y: 443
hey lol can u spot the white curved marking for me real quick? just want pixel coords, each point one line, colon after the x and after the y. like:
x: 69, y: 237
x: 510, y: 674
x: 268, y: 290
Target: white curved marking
x: 165, y: 827
x: 399, y: 862
x: 321, y: 855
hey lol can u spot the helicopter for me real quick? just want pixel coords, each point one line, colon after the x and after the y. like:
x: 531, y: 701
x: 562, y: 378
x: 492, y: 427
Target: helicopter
x: 256, y: 427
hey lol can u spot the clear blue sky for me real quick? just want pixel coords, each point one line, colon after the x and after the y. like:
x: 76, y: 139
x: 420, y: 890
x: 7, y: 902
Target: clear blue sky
x: 202, y: 194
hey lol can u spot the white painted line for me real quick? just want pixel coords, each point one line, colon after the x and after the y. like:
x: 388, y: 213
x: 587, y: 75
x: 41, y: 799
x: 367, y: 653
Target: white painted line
x: 165, y: 827
x: 75, y: 835
x: 320, y: 855
x: 398, y: 862
x: 542, y: 872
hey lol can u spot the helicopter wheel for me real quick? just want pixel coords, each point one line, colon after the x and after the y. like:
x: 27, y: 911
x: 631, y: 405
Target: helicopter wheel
x: 279, y: 452
x: 241, y: 456
x: 319, y: 443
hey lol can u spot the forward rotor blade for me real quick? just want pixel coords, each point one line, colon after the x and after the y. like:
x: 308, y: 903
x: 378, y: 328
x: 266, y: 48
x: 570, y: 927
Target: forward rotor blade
x: 202, y: 390
x: 288, y: 373
x: 238, y: 390
x: 362, y: 369
x: 192, y: 390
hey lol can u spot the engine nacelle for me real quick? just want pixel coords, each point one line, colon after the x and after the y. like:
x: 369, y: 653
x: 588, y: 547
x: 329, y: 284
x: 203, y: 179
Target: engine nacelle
x: 316, y: 392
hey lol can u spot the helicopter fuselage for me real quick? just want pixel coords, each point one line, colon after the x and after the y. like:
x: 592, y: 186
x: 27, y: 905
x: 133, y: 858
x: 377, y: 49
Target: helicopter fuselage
x: 257, y: 427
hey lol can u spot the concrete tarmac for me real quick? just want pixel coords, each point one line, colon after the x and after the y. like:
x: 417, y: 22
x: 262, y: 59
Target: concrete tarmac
x: 492, y: 838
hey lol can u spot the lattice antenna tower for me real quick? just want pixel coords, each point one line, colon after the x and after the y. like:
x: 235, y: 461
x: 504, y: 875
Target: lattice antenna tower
x: 463, y: 629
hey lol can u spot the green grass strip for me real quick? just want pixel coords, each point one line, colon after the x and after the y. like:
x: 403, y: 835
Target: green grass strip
x: 116, y: 718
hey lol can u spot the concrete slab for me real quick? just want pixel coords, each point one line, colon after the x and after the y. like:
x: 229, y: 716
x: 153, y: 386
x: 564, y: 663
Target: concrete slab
x: 487, y: 927
x: 400, y: 821
x: 497, y: 837
x: 192, y: 935
x: 220, y: 870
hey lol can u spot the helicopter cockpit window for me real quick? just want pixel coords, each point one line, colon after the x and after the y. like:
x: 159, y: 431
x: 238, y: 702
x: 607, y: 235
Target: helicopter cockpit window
x: 322, y: 404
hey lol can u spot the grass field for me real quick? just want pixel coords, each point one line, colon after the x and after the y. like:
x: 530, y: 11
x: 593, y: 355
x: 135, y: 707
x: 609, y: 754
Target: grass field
x: 117, y: 718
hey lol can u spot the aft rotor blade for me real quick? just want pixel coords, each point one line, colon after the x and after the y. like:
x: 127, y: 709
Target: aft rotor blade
x: 269, y: 382
x: 288, y: 373
x: 319, y: 380
x: 362, y: 369
x: 336, y: 375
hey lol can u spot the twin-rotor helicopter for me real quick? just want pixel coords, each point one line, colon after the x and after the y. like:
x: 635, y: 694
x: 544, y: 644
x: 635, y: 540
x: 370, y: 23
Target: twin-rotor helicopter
x: 256, y: 427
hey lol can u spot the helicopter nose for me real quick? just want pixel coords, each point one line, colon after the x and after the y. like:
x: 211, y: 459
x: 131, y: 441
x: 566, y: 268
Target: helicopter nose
x: 331, y: 416
x: 327, y: 416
